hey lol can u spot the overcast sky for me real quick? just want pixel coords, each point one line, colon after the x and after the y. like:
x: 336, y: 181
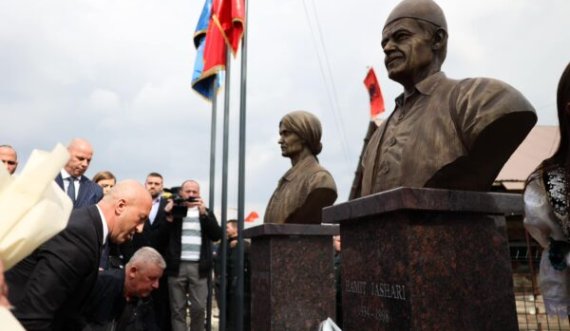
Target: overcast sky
x: 117, y: 72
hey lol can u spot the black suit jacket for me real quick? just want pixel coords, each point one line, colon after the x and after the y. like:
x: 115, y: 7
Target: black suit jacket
x: 89, y: 192
x: 49, y: 287
x: 154, y: 235
x: 107, y: 300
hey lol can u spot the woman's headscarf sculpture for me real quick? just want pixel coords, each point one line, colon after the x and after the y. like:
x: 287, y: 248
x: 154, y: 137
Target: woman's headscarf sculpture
x: 307, y: 187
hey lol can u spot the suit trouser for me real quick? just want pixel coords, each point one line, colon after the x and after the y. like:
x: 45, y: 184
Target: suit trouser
x: 188, y: 285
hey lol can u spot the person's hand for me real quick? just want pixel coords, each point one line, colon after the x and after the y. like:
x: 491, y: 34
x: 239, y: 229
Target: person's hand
x: 198, y: 203
x: 168, y: 210
x: 3, y: 289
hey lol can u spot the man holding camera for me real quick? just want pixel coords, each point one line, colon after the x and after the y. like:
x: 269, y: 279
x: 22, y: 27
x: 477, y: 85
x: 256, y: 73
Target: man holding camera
x: 189, y: 255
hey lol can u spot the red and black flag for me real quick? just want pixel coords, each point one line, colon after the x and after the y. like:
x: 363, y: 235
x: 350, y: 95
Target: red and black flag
x: 376, y: 99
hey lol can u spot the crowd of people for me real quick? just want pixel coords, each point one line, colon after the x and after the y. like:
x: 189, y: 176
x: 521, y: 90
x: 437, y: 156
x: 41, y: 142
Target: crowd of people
x: 130, y: 258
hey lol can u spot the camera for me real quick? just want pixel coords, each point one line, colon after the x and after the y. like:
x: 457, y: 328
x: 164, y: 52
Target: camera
x: 178, y: 200
x: 179, y: 210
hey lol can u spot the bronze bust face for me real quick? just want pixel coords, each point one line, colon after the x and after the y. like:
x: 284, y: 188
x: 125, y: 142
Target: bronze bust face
x: 292, y: 146
x: 443, y: 133
x: 307, y: 187
x: 408, y: 49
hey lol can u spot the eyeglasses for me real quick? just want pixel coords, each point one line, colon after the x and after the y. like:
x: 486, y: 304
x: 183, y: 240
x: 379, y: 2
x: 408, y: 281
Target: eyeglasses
x: 10, y: 162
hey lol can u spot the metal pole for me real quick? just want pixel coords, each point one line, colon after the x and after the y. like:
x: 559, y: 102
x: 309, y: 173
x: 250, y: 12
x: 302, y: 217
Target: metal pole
x: 224, y: 212
x: 241, y: 179
x: 213, y: 129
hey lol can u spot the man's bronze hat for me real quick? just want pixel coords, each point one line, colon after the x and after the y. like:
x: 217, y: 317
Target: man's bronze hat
x: 425, y: 10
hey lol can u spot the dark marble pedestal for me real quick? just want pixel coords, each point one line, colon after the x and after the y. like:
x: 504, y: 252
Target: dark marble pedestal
x: 426, y: 259
x: 292, y: 276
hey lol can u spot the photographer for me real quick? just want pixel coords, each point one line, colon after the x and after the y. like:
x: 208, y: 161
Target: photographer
x: 189, y: 255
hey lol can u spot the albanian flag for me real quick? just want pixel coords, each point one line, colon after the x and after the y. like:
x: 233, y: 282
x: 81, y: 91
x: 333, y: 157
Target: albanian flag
x: 376, y: 99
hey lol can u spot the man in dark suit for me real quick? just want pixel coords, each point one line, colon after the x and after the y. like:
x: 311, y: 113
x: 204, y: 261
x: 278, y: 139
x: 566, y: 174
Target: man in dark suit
x: 49, y: 287
x: 83, y: 192
x: 155, y: 235
x: 155, y: 231
x: 114, y: 303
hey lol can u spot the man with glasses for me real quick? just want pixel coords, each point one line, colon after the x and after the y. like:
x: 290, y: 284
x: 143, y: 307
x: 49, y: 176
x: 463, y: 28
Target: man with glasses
x: 9, y: 157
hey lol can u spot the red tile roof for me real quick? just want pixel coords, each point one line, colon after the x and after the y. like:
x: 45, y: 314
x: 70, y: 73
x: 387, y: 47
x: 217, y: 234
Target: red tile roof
x: 540, y: 144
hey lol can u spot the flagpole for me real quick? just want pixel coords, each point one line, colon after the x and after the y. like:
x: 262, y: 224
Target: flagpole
x: 224, y: 207
x: 241, y: 176
x: 211, y: 199
x: 213, y: 129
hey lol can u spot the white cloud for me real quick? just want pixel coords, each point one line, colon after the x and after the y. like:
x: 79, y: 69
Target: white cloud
x: 118, y: 73
x: 104, y: 101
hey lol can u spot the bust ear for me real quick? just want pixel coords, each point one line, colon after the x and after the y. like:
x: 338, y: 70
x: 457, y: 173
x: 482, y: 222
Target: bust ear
x: 439, y: 39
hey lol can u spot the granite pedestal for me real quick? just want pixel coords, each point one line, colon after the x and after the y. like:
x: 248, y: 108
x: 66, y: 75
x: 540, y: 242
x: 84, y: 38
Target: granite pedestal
x: 292, y: 276
x: 426, y: 259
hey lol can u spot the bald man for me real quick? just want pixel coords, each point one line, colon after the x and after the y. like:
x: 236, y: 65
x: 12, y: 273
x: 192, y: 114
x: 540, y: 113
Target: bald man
x: 50, y: 286
x: 9, y: 157
x: 83, y: 192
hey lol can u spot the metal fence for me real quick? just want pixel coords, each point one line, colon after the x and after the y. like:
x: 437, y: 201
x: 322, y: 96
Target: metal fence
x: 525, y: 258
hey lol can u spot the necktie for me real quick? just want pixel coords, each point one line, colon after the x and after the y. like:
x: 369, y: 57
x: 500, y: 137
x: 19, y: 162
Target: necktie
x: 71, y: 188
x: 104, y: 261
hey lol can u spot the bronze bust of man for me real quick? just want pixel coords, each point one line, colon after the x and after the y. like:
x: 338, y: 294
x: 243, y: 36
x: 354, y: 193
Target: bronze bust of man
x: 443, y: 133
x: 307, y: 187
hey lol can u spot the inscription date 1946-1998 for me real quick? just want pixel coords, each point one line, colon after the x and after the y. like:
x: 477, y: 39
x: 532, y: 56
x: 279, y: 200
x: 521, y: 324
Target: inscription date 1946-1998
x: 376, y: 314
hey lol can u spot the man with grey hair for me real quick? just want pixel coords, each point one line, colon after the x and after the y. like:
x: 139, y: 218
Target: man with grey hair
x: 444, y: 133
x: 49, y: 287
x: 9, y: 157
x: 118, y: 300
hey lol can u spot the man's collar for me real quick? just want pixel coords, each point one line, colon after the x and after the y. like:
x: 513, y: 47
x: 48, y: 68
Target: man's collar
x: 105, y: 225
x: 65, y: 175
x: 425, y: 87
x: 428, y: 85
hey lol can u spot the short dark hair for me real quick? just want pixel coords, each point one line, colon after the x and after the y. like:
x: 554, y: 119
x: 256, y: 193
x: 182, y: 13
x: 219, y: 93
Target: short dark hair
x: 155, y: 174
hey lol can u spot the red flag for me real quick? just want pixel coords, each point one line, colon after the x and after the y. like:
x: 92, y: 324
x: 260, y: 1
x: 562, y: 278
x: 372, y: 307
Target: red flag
x: 215, y: 48
x: 252, y: 217
x: 229, y: 17
x: 376, y: 99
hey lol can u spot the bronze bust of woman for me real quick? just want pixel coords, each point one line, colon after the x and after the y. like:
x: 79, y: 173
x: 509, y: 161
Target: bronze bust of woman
x: 307, y: 187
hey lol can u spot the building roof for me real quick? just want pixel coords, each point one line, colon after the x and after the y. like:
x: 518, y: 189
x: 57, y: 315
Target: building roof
x: 540, y: 144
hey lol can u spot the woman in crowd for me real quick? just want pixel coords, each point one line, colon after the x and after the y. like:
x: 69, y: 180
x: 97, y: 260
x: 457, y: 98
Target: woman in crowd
x: 547, y: 204
x: 106, y: 180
